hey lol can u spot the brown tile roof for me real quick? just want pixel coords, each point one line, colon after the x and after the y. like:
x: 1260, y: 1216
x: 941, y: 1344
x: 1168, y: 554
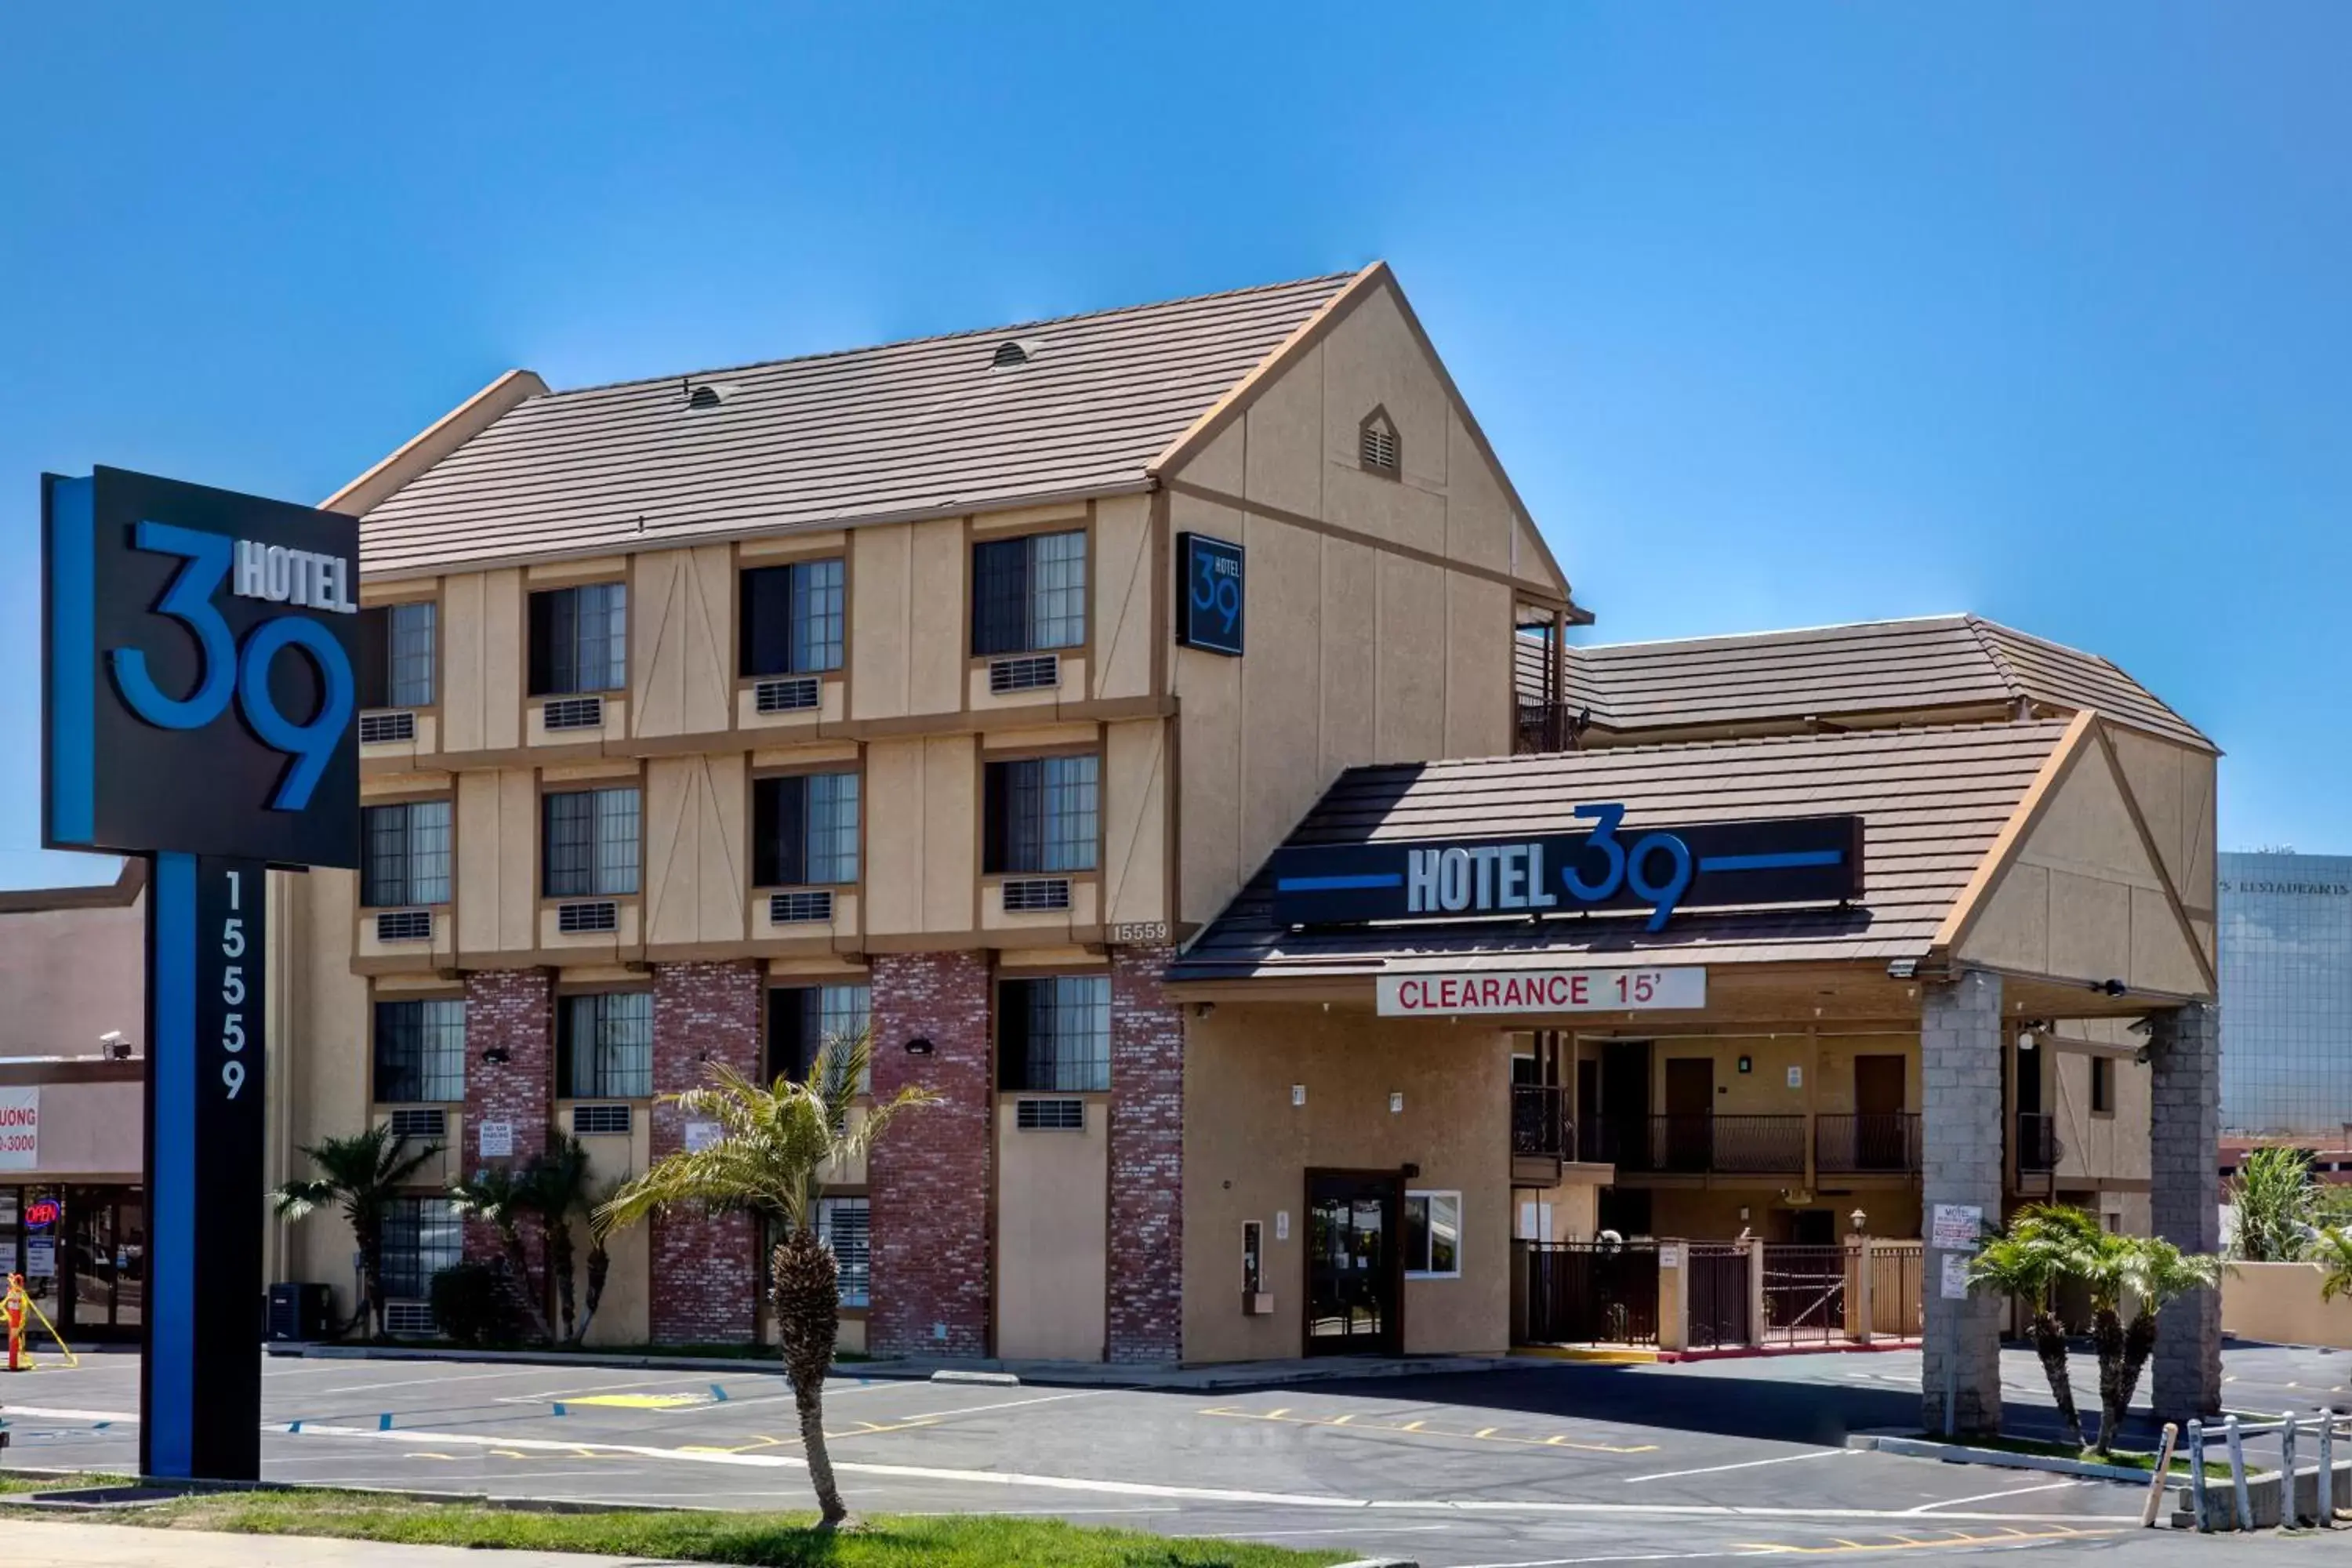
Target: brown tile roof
x: 1933, y: 801
x: 929, y: 427
x: 1780, y: 679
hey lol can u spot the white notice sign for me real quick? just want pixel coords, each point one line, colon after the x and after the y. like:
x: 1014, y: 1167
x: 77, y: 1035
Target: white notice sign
x: 40, y: 1257
x: 700, y: 1135
x: 20, y: 1129
x: 1670, y: 1256
x: 1956, y: 1276
x: 1958, y: 1228
x: 496, y: 1140
x: 1542, y: 991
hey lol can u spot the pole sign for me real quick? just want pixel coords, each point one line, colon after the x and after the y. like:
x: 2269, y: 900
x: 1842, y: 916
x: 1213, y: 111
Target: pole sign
x: 199, y: 650
x: 1209, y: 613
x: 1788, y: 860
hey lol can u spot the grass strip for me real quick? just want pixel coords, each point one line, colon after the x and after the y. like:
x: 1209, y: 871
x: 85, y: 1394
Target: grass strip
x: 766, y: 1539
x: 2122, y: 1458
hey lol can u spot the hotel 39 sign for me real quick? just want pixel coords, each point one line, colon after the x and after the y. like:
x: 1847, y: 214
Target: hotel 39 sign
x: 198, y: 672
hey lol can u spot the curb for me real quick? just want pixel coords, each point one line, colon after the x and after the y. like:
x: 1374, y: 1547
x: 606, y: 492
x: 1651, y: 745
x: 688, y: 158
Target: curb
x: 1997, y: 1459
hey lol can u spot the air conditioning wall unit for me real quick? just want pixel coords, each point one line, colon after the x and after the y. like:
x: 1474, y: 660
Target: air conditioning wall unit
x: 573, y: 713
x: 1025, y: 672
x: 586, y: 916
x: 1035, y: 895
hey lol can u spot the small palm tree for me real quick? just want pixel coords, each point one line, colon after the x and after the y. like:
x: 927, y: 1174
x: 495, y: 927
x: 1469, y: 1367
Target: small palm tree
x: 774, y: 1147
x: 2027, y: 1261
x: 504, y: 1196
x: 2272, y: 1198
x: 2154, y: 1273
x: 2333, y: 1253
x: 555, y: 1189
x: 361, y: 1174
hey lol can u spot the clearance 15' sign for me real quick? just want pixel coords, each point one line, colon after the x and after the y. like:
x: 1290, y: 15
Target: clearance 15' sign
x: 1613, y: 867
x: 199, y: 674
x: 1543, y: 990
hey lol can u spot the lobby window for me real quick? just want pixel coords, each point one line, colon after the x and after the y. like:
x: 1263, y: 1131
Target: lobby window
x: 800, y: 1018
x: 420, y: 1050
x: 791, y: 618
x: 407, y: 855
x: 2103, y: 1086
x: 604, y: 1046
x: 841, y: 1225
x: 1042, y: 816
x: 580, y: 639
x: 396, y: 655
x: 804, y: 830
x: 1053, y: 1035
x: 1029, y: 595
x: 591, y: 843
x: 1432, y: 1236
x: 421, y: 1237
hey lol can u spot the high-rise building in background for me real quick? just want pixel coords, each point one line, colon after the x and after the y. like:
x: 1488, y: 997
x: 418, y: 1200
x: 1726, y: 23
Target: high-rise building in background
x: 2287, y: 993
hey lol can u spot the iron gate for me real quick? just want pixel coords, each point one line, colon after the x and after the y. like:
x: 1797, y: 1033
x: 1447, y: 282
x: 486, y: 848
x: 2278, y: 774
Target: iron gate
x: 1590, y: 1292
x: 1718, y: 1295
x: 1804, y: 1293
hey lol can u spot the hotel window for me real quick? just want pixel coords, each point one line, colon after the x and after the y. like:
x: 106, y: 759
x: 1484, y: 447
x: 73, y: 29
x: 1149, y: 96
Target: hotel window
x: 397, y: 655
x: 1040, y: 816
x: 580, y: 639
x: 841, y: 1225
x: 1028, y: 594
x: 604, y: 1046
x: 407, y: 855
x: 1432, y: 1236
x: 2103, y: 1086
x: 420, y: 1051
x: 804, y: 830
x: 791, y: 618
x: 591, y: 838
x: 800, y: 1018
x: 1053, y: 1037
x: 421, y: 1237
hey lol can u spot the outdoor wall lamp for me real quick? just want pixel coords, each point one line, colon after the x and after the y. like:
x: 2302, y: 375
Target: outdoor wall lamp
x: 496, y: 1057
x: 920, y: 1045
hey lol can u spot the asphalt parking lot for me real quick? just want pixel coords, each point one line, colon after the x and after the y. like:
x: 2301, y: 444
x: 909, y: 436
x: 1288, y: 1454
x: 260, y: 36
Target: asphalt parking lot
x: 1555, y: 1463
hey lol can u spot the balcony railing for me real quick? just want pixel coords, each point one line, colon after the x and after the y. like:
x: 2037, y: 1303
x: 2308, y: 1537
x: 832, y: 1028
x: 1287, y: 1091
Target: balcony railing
x: 1544, y: 727
x: 2037, y: 1142
x: 1846, y: 1144
x: 1697, y: 1144
x: 1540, y: 1125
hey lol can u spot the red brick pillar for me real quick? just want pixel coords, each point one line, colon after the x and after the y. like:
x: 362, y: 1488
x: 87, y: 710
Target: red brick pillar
x: 508, y: 1012
x: 927, y: 1179
x: 705, y: 1272
x: 1147, y: 1160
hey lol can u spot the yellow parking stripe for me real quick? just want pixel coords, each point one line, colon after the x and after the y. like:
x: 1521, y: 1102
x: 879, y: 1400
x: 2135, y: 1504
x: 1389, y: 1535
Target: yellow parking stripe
x: 1422, y: 1428
x: 1842, y: 1547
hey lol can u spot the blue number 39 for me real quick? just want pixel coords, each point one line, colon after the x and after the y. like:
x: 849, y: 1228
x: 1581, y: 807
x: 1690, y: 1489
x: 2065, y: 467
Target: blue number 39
x: 225, y: 672
x: 1221, y: 595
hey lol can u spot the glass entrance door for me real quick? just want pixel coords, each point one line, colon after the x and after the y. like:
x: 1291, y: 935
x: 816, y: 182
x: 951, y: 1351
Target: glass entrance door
x: 1354, y: 1273
x: 102, y: 1262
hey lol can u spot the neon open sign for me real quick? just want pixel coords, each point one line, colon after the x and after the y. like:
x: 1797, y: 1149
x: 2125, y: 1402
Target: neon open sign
x: 42, y: 1213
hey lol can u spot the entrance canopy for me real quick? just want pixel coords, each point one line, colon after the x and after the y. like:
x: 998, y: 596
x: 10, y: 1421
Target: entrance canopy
x: 2018, y: 848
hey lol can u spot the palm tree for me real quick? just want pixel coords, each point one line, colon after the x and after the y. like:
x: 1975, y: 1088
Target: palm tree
x: 600, y: 1256
x: 2272, y: 1198
x: 2333, y: 1252
x: 2027, y: 1261
x: 774, y: 1147
x: 2155, y: 1273
x: 504, y: 1196
x: 555, y: 1189
x: 361, y: 1174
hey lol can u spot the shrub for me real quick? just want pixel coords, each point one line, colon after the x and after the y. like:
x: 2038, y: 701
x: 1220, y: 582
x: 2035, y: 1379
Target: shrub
x: 472, y: 1306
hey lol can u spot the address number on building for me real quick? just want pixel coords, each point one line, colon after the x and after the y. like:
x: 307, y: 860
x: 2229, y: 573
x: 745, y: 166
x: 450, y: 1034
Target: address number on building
x: 1140, y: 931
x: 1543, y: 990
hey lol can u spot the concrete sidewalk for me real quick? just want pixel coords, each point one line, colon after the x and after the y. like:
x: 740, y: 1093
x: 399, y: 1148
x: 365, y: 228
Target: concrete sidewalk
x: 44, y: 1543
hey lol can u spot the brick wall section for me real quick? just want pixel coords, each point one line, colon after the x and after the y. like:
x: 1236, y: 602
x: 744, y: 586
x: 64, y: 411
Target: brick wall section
x: 1960, y: 1038
x: 1147, y: 1160
x: 927, y: 1180
x: 513, y: 1010
x: 2184, y: 1200
x: 705, y: 1273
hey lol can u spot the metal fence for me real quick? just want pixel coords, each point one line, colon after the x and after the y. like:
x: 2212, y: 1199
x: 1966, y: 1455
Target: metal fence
x: 1805, y: 1293
x: 1539, y: 1123
x: 1896, y: 1270
x: 1719, y: 1302
x: 1586, y: 1292
x: 1700, y: 1142
x: 1870, y: 1140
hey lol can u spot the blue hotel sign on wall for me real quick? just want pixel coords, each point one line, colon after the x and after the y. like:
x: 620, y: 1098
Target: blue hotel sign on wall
x: 1612, y: 869
x: 198, y: 669
x: 1209, y: 611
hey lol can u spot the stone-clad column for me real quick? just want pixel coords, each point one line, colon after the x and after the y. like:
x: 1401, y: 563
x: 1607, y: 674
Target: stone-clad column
x: 2184, y: 1199
x: 1147, y: 1161
x: 1959, y: 1062
x: 704, y: 1273
x: 927, y: 1180
x: 509, y: 1015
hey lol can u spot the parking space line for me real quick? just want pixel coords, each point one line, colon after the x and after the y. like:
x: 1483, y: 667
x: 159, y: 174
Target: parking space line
x: 1988, y: 1497
x: 1009, y: 1405
x: 1422, y: 1428
x: 1742, y: 1465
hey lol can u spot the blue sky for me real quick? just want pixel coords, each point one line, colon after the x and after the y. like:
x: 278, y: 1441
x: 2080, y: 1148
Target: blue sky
x: 1778, y: 315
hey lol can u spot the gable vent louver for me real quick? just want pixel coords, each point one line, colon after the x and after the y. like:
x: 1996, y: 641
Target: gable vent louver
x: 709, y: 393
x: 1008, y: 355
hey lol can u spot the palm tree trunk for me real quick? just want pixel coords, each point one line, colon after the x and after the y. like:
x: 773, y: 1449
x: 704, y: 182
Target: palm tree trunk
x: 2050, y: 1344
x: 2107, y: 1338
x: 559, y: 1264
x: 807, y: 1297
x: 518, y: 1268
x: 600, y: 1266
x: 831, y: 1511
x: 2138, y: 1342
